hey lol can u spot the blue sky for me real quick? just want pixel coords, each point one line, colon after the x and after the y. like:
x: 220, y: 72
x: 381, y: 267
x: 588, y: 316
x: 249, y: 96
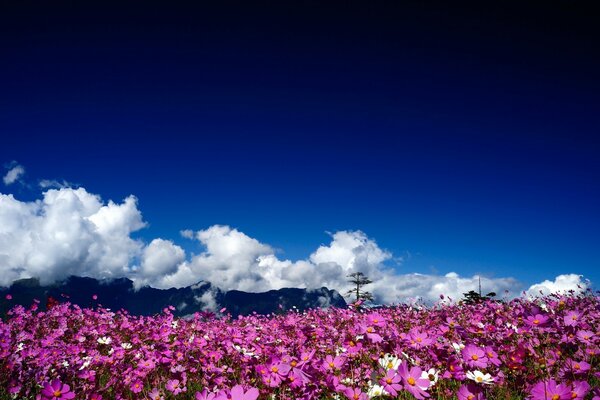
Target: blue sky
x: 462, y: 141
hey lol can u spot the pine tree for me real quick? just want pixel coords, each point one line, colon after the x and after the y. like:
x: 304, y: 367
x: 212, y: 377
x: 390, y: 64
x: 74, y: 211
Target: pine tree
x: 358, y: 279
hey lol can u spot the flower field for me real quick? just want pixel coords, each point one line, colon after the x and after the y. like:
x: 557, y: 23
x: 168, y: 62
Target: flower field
x: 546, y: 348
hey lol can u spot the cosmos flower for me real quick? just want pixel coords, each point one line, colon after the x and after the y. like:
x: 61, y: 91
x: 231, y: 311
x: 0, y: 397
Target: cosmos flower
x: 480, y: 377
x: 57, y: 390
x: 550, y: 390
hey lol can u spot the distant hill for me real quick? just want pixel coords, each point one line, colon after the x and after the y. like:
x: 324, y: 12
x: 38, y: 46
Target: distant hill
x: 120, y: 294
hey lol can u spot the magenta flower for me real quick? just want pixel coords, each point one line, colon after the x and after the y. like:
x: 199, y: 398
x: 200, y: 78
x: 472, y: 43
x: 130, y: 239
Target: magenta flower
x: 536, y: 320
x: 355, y: 394
x: 237, y: 393
x: 580, y: 390
x: 205, y: 395
x: 391, y: 382
x: 136, y: 386
x: 413, y: 382
x: 175, y: 386
x: 332, y: 363
x: 57, y: 390
x: 475, y: 356
x: 550, y: 391
x: 470, y: 392
x: 572, y: 318
x: 585, y: 336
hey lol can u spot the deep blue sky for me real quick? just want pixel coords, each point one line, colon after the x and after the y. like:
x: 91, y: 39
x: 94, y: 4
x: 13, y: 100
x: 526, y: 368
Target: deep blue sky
x: 465, y: 137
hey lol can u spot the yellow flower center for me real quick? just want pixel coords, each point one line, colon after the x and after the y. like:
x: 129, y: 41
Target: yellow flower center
x: 479, y: 379
x: 369, y: 329
x: 419, y: 340
x: 556, y: 397
x: 331, y: 365
x: 577, y: 366
x: 411, y: 381
x: 536, y: 321
x: 57, y: 393
x: 293, y: 363
x: 475, y: 357
x: 274, y: 369
x: 470, y: 397
x: 388, y: 381
x: 390, y: 365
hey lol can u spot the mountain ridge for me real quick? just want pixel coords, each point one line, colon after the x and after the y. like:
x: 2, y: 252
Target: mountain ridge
x: 120, y: 293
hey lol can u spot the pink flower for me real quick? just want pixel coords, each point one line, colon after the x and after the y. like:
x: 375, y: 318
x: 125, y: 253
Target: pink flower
x: 205, y: 395
x: 572, y: 318
x: 536, y: 320
x: 355, y: 394
x: 550, y: 390
x: 475, y: 356
x: 332, y: 363
x: 136, y: 386
x: 8, y: 297
x: 470, y: 392
x: 175, y: 386
x: 413, y: 382
x: 391, y: 382
x: 57, y: 390
x: 237, y: 393
x: 580, y: 390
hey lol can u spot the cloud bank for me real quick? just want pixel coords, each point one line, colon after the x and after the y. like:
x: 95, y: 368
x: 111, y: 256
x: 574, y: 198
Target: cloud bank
x: 73, y: 232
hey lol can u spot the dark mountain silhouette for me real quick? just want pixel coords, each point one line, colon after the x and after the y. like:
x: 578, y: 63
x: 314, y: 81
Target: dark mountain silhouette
x: 120, y: 294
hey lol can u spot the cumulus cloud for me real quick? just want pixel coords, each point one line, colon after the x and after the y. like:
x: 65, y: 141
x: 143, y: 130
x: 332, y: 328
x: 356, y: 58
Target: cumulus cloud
x: 14, y: 174
x: 73, y: 232
x: 561, y: 284
x: 67, y: 232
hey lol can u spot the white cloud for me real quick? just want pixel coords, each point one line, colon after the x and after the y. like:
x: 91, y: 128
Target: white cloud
x: 67, y: 232
x: 54, y: 184
x: 73, y: 232
x: 561, y: 284
x: 14, y: 174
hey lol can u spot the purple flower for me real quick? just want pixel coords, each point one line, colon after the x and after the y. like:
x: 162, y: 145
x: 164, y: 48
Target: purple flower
x: 355, y: 394
x: 136, y: 386
x: 205, y: 395
x: 536, y: 320
x: 237, y: 393
x: 391, y: 382
x: 580, y: 390
x: 175, y: 386
x: 57, y: 390
x: 475, y: 356
x: 550, y: 391
x: 470, y: 392
x: 413, y: 382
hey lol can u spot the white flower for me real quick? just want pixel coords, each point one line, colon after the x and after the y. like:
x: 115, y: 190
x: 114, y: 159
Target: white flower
x: 174, y: 324
x: 86, y: 362
x: 112, y: 350
x: 389, y: 361
x: 432, y: 375
x: 375, y: 391
x: 126, y: 346
x: 458, y: 347
x: 20, y: 347
x: 104, y: 340
x: 65, y: 364
x: 480, y: 377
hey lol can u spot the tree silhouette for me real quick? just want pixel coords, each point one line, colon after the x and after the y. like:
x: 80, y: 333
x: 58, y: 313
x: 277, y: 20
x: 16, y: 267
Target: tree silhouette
x: 472, y: 297
x: 358, y: 279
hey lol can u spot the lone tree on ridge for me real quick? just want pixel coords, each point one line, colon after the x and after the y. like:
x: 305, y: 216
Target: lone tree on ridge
x: 358, y: 279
